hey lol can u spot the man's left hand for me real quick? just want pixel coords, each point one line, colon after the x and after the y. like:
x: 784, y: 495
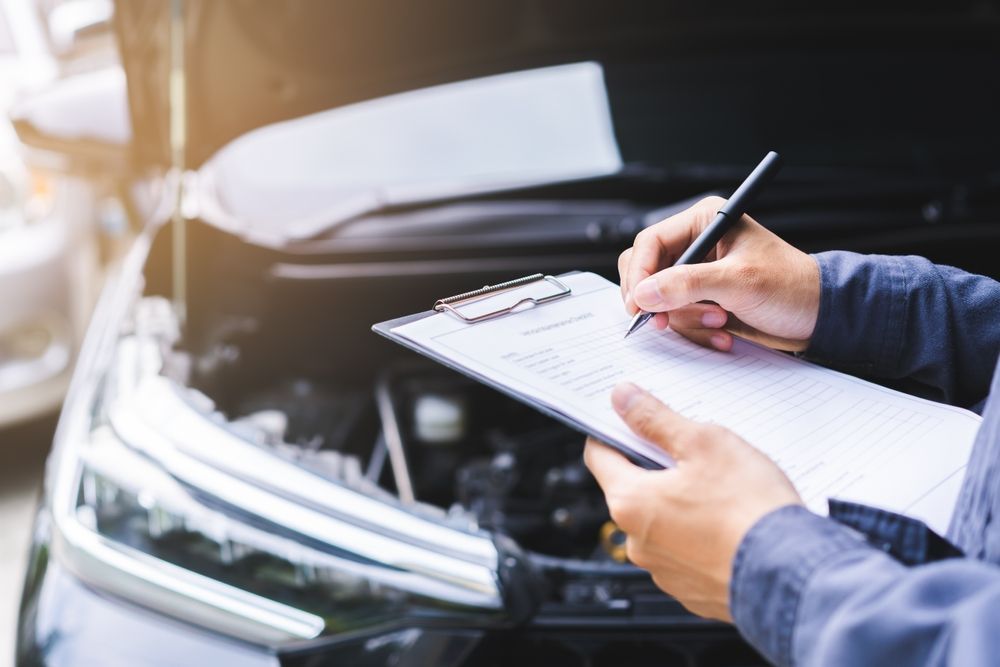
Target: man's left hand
x: 685, y: 524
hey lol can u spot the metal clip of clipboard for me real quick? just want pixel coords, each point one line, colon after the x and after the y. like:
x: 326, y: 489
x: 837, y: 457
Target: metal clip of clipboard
x: 451, y: 304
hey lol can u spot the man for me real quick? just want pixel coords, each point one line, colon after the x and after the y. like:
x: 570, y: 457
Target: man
x: 725, y: 531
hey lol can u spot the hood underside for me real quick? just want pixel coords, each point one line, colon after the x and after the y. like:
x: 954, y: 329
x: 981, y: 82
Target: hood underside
x: 251, y: 63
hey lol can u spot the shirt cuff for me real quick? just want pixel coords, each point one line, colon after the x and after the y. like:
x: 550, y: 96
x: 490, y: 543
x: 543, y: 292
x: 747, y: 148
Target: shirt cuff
x: 862, y: 308
x: 772, y: 567
x: 908, y: 540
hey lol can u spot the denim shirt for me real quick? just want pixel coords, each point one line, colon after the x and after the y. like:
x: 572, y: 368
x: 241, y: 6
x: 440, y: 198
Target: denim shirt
x: 864, y: 586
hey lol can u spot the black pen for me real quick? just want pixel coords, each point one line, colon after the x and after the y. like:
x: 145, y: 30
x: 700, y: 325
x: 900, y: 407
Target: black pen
x: 731, y: 211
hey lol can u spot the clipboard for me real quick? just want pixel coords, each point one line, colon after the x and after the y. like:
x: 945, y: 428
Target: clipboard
x: 561, y: 353
x: 453, y: 306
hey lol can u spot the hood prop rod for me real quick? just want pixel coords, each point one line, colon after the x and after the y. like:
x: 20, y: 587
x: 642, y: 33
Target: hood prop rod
x: 392, y: 436
x: 177, y: 100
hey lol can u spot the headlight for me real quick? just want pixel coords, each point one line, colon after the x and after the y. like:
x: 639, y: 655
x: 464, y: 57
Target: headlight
x: 40, y: 199
x: 26, y: 193
x: 12, y: 212
x: 34, y: 351
x: 158, y: 499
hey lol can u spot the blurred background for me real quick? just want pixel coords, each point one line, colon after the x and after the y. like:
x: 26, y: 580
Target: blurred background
x: 244, y: 473
x: 60, y: 230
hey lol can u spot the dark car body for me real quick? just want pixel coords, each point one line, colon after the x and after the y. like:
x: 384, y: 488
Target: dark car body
x: 230, y: 480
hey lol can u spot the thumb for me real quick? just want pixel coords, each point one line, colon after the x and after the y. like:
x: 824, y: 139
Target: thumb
x: 680, y: 286
x: 652, y: 420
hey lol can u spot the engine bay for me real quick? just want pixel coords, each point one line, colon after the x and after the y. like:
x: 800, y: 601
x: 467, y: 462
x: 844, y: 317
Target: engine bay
x: 280, y: 340
x: 282, y: 346
x: 431, y: 436
x: 268, y: 349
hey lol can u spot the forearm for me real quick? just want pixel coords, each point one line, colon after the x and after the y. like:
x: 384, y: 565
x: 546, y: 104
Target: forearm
x: 808, y: 591
x: 904, y: 317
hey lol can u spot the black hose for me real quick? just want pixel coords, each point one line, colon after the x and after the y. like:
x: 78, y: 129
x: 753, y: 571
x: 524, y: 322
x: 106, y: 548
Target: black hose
x: 583, y: 567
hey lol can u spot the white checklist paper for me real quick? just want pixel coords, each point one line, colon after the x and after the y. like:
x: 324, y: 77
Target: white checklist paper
x: 832, y: 434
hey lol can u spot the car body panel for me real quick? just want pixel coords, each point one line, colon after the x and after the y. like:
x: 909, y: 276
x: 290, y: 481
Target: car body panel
x: 265, y: 305
x: 74, y: 625
x: 37, y: 332
x: 243, y: 72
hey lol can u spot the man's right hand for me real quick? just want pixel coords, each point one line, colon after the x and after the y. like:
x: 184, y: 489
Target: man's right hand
x: 765, y: 289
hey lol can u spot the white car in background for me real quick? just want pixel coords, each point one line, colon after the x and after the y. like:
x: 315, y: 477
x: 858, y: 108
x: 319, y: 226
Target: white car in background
x: 50, y: 259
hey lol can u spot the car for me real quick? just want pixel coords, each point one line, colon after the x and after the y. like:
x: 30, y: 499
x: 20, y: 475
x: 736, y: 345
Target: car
x: 37, y: 340
x: 53, y: 248
x: 80, y: 33
x: 244, y: 474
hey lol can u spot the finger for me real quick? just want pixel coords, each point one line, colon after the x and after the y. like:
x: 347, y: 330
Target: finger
x: 679, y: 286
x: 698, y: 316
x: 744, y: 330
x: 660, y: 245
x: 710, y: 338
x: 623, y: 262
x: 652, y: 420
x: 661, y: 321
x: 700, y: 323
x: 610, y: 468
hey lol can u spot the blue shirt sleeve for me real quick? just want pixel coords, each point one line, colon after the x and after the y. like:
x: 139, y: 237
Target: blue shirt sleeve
x: 905, y: 318
x: 809, y: 591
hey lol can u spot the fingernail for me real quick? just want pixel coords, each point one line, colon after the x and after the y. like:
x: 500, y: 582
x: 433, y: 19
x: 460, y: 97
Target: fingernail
x: 713, y: 319
x: 719, y: 342
x: 647, y: 294
x: 624, y: 396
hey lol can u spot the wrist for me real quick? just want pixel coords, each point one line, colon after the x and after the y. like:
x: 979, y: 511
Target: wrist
x: 809, y: 287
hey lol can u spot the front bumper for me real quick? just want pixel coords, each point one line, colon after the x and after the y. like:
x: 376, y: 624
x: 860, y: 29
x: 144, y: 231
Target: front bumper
x: 64, y: 623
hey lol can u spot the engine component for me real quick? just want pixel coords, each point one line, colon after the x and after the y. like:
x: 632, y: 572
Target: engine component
x: 613, y: 541
x: 439, y: 419
x: 393, y: 439
x: 318, y: 415
x: 536, y: 489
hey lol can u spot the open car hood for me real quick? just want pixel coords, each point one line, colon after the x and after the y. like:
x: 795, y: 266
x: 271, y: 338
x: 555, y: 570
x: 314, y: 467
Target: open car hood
x: 251, y: 63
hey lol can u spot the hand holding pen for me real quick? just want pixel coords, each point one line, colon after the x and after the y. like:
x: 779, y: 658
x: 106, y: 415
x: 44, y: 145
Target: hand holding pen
x: 763, y: 289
